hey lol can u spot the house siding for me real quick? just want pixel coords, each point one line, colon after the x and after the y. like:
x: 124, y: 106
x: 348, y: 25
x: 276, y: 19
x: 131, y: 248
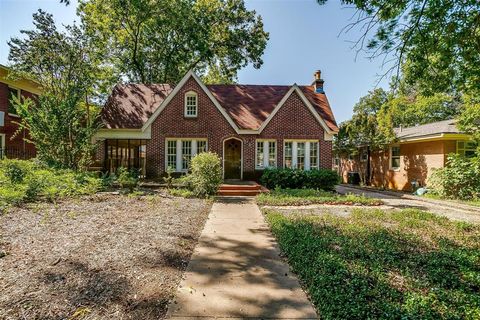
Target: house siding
x: 15, y: 143
x: 417, y: 162
x: 293, y: 121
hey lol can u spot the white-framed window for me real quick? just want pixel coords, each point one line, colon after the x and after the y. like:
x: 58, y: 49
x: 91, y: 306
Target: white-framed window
x: 395, y: 157
x: 179, y: 152
x: 265, y: 154
x: 466, y: 148
x: 191, y: 104
x: 301, y: 154
x: 336, y: 161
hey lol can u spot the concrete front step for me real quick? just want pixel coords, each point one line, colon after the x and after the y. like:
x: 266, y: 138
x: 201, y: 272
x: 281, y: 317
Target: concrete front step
x: 247, y: 193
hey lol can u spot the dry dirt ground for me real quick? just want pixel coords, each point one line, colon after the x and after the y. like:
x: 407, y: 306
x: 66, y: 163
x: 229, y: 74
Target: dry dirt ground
x: 100, y: 257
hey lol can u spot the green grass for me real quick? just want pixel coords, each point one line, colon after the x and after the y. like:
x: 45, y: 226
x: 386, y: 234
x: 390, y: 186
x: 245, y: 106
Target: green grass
x: 475, y: 203
x: 375, y: 264
x: 295, y: 197
x: 181, y: 192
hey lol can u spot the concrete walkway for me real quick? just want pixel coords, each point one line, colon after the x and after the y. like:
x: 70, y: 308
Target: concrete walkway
x: 236, y: 272
x: 394, y: 200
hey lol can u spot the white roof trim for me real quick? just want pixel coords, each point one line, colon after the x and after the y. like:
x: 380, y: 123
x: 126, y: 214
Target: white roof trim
x: 177, y: 89
x: 190, y: 73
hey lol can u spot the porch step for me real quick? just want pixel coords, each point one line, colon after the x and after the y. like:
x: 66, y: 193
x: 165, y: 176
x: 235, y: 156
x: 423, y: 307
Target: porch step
x: 240, y: 189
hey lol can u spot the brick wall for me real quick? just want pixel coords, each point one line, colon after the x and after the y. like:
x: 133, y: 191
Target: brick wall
x: 417, y: 161
x: 15, y: 144
x: 293, y: 121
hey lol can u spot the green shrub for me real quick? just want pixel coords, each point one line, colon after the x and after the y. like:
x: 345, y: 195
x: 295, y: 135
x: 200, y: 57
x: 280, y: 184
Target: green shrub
x: 181, y: 192
x: 22, y: 181
x: 127, y: 178
x: 286, y: 178
x: 206, y: 174
x: 460, y: 179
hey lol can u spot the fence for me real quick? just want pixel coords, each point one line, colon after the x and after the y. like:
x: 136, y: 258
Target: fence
x: 15, y: 153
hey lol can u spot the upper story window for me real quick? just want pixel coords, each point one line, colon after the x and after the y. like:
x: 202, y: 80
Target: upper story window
x: 466, y: 148
x: 395, y: 157
x: 266, y: 154
x: 301, y: 154
x: 12, y: 93
x: 191, y: 104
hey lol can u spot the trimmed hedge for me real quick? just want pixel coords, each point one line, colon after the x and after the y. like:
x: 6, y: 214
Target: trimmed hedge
x: 286, y: 178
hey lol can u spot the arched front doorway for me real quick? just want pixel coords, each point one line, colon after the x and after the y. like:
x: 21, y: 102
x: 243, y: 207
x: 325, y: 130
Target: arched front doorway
x: 232, y: 158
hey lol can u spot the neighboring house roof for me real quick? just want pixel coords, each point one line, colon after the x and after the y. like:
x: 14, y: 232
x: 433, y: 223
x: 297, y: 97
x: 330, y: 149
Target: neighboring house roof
x: 20, y: 83
x: 249, y: 106
x: 429, y: 129
x: 131, y: 105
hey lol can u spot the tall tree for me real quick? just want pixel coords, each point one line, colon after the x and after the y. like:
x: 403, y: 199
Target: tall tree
x: 62, y: 121
x: 436, y: 43
x: 160, y: 40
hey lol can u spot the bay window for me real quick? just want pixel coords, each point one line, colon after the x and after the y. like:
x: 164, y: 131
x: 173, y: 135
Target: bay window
x: 179, y: 152
x: 301, y: 154
x: 265, y: 154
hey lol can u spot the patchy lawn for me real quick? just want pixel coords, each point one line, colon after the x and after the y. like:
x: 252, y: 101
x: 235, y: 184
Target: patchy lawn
x: 375, y: 264
x: 99, y: 257
x: 297, y: 197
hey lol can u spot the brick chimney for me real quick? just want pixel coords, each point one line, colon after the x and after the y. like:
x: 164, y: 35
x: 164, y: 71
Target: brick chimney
x: 318, y: 82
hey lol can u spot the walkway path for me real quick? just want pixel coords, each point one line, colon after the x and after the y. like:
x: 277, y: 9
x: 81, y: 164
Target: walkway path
x: 394, y: 200
x: 236, y: 272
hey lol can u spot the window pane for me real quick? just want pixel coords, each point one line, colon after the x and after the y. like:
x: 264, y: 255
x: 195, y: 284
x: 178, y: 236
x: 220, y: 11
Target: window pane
x: 191, y: 105
x: 395, y: 151
x: 288, y: 154
x: 396, y: 162
x: 272, y: 154
x: 201, y: 146
x: 314, y: 155
x: 301, y: 155
x: 172, y: 154
x: 259, y: 160
x: 186, y: 154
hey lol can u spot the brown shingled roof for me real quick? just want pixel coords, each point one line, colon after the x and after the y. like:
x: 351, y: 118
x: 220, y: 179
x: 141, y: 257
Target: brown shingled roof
x: 131, y: 105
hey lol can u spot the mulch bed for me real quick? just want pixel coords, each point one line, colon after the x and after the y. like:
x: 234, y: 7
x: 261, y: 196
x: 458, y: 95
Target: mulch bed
x: 101, y: 257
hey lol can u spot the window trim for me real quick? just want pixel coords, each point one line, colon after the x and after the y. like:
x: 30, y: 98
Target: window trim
x: 307, y: 152
x: 464, y: 149
x: 266, y: 153
x: 179, y: 150
x: 187, y: 95
x: 2, y: 145
x: 364, y: 152
x: 391, y: 157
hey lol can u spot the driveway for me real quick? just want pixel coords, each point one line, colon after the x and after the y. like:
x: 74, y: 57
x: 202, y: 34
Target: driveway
x: 236, y: 271
x: 392, y: 200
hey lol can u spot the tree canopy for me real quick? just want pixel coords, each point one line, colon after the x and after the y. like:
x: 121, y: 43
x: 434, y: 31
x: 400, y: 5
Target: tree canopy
x: 433, y: 43
x: 158, y: 41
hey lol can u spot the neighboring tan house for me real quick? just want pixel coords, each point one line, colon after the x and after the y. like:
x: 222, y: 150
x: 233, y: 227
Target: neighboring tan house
x: 12, y: 143
x: 409, y: 162
x: 251, y: 127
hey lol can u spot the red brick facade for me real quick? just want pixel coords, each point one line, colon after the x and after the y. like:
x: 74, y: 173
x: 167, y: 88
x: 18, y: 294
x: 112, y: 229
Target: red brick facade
x: 15, y: 144
x: 293, y: 121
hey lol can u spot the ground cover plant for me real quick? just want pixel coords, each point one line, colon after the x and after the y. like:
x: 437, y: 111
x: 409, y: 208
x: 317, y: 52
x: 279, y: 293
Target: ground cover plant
x: 105, y: 256
x: 296, y: 197
x: 25, y: 181
x: 376, y: 264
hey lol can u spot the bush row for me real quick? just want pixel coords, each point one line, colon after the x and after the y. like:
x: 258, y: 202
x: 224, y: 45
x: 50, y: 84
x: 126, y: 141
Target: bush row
x: 284, y: 178
x: 27, y: 180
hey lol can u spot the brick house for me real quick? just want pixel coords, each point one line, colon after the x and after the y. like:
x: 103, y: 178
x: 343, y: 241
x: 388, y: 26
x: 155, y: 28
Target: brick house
x: 13, y: 143
x: 251, y: 127
x: 409, y: 162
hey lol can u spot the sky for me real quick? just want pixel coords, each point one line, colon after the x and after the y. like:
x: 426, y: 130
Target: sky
x: 304, y: 37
